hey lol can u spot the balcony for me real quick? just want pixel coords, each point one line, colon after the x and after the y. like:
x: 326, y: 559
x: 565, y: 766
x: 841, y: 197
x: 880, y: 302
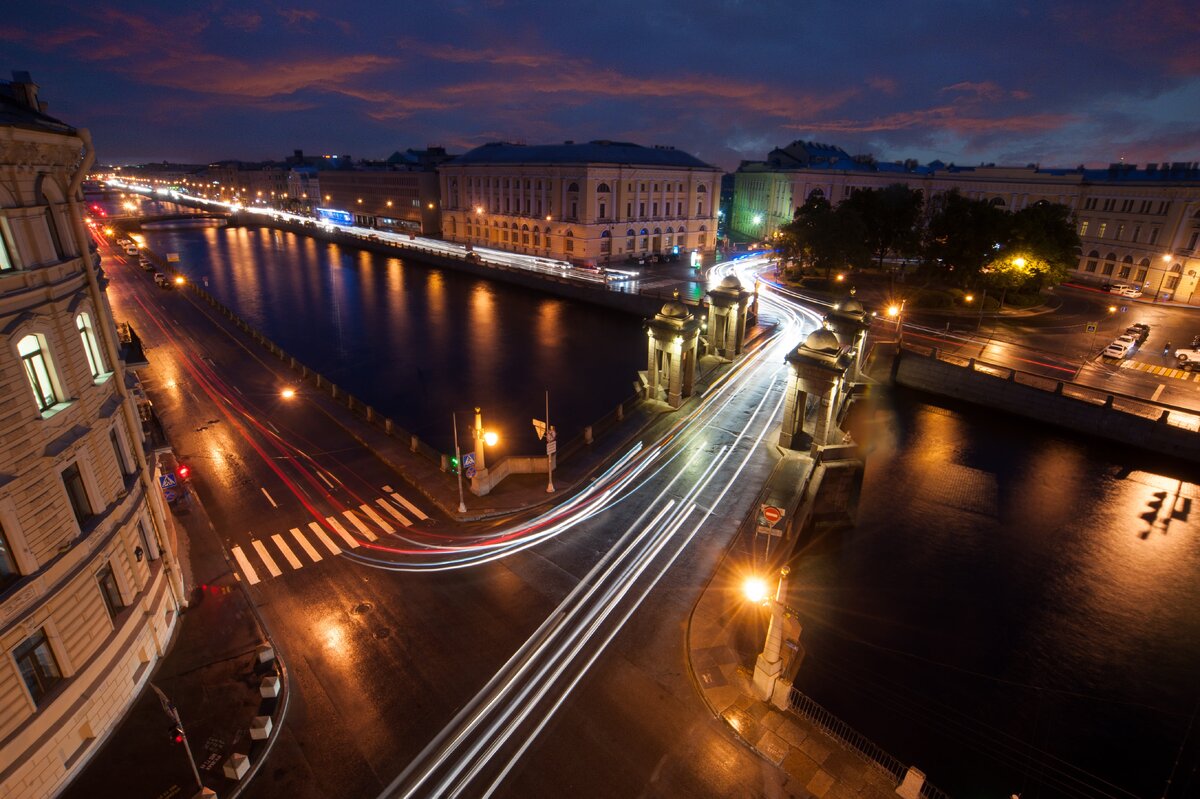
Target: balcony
x: 131, y: 351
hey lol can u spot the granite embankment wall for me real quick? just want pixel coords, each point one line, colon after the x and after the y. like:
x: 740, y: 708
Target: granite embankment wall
x: 1152, y: 426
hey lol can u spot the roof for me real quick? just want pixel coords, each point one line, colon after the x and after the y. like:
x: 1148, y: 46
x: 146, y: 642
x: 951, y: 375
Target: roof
x: 15, y: 110
x: 593, y: 152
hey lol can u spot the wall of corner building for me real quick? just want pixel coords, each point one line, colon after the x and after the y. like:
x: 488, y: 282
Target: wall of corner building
x: 104, y: 659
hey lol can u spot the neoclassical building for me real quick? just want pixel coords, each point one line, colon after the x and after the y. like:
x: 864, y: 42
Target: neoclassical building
x: 89, y: 582
x: 597, y: 203
x: 1138, y: 225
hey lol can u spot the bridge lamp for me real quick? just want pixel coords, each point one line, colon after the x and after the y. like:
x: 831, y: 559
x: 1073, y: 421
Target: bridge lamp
x: 179, y: 281
x: 288, y: 393
x: 756, y: 590
x: 490, y: 438
x: 893, y: 311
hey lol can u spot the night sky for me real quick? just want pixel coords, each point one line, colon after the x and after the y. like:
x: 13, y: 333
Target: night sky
x: 1060, y: 83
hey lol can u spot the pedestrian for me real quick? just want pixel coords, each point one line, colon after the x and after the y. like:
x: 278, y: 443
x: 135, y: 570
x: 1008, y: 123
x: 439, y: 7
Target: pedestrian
x: 1166, y: 349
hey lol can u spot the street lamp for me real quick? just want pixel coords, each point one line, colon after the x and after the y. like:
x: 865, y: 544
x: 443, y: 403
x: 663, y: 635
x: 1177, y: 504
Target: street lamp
x: 288, y: 393
x: 1158, y: 292
x: 462, y: 506
x: 769, y: 666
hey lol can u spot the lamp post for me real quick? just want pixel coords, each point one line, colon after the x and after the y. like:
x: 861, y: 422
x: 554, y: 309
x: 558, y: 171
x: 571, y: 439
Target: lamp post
x: 462, y: 506
x: 551, y: 448
x: 1158, y: 292
x: 769, y: 666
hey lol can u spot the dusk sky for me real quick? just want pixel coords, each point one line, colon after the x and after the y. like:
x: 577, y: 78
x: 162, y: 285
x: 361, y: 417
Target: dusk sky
x: 1060, y: 83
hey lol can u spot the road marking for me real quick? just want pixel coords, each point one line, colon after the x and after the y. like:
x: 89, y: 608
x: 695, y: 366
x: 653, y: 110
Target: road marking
x: 261, y: 548
x: 247, y: 569
x: 375, y: 517
x: 287, y: 552
x: 1157, y: 392
x: 400, y: 517
x: 303, y: 542
x: 332, y: 547
x: 273, y: 427
x: 324, y: 479
x: 337, y: 528
x: 274, y: 504
x: 238, y: 390
x: 362, y: 528
x: 413, y: 508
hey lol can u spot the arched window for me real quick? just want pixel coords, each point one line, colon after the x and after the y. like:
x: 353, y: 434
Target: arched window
x: 570, y: 242
x: 702, y: 189
x: 630, y: 240
x: 524, y: 234
x: 537, y: 236
x: 605, y: 242
x: 603, y: 188
x: 1126, y: 267
x: 1109, y: 263
x: 1093, y: 260
x: 83, y: 323
x: 816, y: 194
x: 573, y: 187
x: 33, y: 353
x: 657, y: 231
x: 703, y: 238
x: 50, y: 201
x: 998, y: 202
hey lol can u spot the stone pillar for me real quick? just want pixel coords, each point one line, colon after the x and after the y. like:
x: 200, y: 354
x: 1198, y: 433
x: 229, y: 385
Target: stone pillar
x: 671, y: 353
x: 727, y: 312
x: 849, y: 323
x: 818, y: 371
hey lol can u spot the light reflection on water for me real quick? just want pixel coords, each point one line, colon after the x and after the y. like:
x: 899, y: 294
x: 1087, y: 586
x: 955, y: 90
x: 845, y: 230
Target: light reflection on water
x: 1010, y: 595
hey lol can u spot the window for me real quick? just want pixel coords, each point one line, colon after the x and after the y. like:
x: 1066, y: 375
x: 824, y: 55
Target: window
x: 1137, y: 233
x: 700, y: 208
x: 574, y: 209
x: 641, y: 209
x: 37, y: 665
x: 1108, y: 267
x: 570, y: 243
x: 8, y: 564
x: 37, y: 369
x: 605, y: 242
x: 1100, y: 232
x: 603, y: 187
x: 1125, y: 271
x: 1173, y: 282
x: 109, y: 590
x: 51, y: 217
x: 1153, y: 236
x: 628, y: 210
x: 1083, y: 228
x: 654, y: 212
x: 1143, y: 269
x: 573, y: 187
x: 679, y: 209
x: 603, y: 211
x: 5, y: 259
x: 83, y: 323
x: 116, y: 444
x: 1120, y: 232
x: 1191, y: 245
x: 77, y: 494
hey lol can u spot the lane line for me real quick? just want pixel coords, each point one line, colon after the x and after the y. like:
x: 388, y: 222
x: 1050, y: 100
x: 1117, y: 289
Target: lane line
x: 261, y: 549
x: 362, y: 528
x: 247, y: 569
x: 274, y: 504
x: 413, y: 509
x: 324, y: 479
x: 400, y: 517
x: 1157, y: 392
x: 337, y: 528
x: 273, y: 427
x: 375, y: 517
x: 332, y: 547
x: 303, y: 542
x: 287, y: 552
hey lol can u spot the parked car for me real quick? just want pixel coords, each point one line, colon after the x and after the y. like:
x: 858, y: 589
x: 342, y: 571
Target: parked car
x: 1139, y: 331
x: 1116, y: 288
x: 161, y: 281
x: 1118, y: 350
x: 1128, y: 340
x: 131, y: 249
x: 1131, y: 292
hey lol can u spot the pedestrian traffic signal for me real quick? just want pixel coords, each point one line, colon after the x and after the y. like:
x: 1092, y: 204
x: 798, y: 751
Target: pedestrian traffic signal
x: 184, y: 472
x: 453, y: 465
x: 176, y: 734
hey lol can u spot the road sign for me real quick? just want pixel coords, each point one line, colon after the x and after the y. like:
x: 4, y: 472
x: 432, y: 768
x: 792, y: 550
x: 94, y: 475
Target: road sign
x: 1091, y: 327
x: 468, y: 460
x: 469, y: 472
x: 167, y: 480
x: 551, y: 447
x: 540, y: 427
x: 552, y: 434
x: 169, y: 495
x: 167, y: 707
x: 772, y: 514
x: 768, y: 517
x: 1124, y: 308
x: 172, y: 257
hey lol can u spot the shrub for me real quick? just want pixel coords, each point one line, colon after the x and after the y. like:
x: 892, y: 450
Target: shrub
x: 1023, y: 300
x: 933, y: 299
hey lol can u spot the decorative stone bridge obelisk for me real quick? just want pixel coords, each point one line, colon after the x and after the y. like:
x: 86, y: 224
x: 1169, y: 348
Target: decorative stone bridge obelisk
x: 727, y: 317
x: 816, y: 384
x: 671, y: 353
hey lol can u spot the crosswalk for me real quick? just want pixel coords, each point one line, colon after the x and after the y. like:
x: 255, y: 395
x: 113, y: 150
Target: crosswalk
x: 1161, y: 371
x: 276, y: 554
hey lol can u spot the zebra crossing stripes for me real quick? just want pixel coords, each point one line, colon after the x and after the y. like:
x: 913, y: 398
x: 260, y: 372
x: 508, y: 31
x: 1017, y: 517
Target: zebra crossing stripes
x: 1161, y: 371
x: 303, y: 542
x: 400, y: 517
x: 267, y: 560
x: 292, y: 560
x: 247, y: 569
x: 375, y: 517
x: 411, y: 508
x: 362, y: 528
x: 320, y: 534
x: 350, y: 540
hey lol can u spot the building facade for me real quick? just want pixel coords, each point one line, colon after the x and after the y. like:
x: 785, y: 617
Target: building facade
x: 89, y: 582
x: 400, y: 199
x: 1137, y: 225
x: 596, y: 203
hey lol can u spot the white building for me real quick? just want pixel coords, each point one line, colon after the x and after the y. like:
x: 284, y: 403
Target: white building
x: 89, y: 583
x: 600, y: 202
x: 1137, y: 225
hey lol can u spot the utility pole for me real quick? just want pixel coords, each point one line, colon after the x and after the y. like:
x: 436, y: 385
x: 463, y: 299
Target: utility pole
x: 551, y: 448
x: 462, y: 506
x: 173, y: 713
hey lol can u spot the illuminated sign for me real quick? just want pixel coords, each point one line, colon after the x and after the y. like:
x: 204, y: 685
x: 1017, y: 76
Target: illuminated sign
x: 335, y: 216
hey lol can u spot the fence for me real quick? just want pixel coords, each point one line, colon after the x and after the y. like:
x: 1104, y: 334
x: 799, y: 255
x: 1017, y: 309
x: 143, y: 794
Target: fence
x: 854, y: 741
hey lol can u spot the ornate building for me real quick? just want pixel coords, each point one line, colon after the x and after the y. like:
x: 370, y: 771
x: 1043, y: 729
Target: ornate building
x: 1138, y: 225
x: 597, y: 203
x: 89, y: 582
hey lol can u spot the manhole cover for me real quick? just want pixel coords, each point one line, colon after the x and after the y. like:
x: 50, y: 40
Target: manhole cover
x: 361, y: 608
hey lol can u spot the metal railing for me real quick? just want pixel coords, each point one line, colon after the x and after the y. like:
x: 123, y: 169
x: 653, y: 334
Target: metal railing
x: 854, y: 741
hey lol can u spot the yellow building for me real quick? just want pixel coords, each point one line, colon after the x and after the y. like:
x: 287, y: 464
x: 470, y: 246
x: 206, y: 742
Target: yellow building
x: 89, y: 581
x: 600, y: 202
x: 1137, y: 225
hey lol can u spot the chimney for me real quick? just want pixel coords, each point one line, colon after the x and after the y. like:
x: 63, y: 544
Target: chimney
x: 24, y: 91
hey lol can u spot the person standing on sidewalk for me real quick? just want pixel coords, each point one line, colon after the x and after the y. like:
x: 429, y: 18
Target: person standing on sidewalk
x: 1166, y: 349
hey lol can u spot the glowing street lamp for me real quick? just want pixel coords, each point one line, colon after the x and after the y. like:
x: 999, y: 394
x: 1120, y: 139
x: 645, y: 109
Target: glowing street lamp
x: 769, y: 667
x: 288, y: 393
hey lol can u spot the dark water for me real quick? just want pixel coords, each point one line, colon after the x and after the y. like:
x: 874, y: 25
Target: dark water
x: 1017, y: 611
x: 417, y: 342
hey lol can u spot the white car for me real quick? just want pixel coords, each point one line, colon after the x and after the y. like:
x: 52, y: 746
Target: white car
x: 1118, y: 350
x: 1188, y: 359
x: 1130, y: 292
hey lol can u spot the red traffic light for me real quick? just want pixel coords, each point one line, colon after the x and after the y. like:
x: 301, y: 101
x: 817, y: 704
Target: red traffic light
x: 176, y: 734
x: 183, y: 471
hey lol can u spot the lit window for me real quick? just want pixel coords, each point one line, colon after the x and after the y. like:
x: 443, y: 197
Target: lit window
x: 95, y: 362
x: 1083, y: 226
x: 8, y: 564
x: 37, y: 369
x: 5, y: 259
x: 109, y: 590
x: 1100, y: 232
x: 38, y: 667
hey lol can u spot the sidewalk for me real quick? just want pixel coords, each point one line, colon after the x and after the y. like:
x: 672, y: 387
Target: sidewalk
x: 211, y: 673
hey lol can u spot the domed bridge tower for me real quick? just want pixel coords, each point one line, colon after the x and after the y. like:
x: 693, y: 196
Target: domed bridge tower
x: 671, y: 353
x: 816, y: 380
x: 850, y: 323
x: 727, y: 317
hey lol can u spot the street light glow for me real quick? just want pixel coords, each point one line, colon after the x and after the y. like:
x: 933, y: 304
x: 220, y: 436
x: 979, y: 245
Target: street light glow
x: 490, y: 438
x: 893, y: 310
x: 757, y: 219
x: 756, y: 590
x: 288, y: 393
x: 1019, y: 263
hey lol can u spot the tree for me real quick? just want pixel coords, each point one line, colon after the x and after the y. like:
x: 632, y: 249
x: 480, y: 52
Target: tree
x: 961, y: 237
x: 892, y: 217
x: 826, y: 238
x: 1043, y: 234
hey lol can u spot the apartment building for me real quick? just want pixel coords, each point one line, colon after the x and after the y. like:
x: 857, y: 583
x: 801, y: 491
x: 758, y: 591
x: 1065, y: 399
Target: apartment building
x: 89, y: 582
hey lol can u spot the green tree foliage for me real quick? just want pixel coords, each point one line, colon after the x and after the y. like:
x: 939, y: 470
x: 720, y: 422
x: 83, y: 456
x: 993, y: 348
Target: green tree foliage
x: 892, y: 216
x: 961, y: 237
x: 1044, y: 235
x: 822, y: 237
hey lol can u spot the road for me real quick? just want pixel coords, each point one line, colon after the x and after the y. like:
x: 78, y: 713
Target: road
x: 404, y: 661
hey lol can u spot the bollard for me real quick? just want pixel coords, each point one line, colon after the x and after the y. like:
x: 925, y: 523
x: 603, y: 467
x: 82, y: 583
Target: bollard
x: 269, y: 687
x: 1163, y: 419
x: 370, y: 414
x: 587, y: 434
x: 260, y: 728
x: 236, y: 766
x: 414, y: 443
x: 1058, y: 389
x: 387, y: 426
x: 971, y: 364
x: 621, y: 412
x: 914, y: 781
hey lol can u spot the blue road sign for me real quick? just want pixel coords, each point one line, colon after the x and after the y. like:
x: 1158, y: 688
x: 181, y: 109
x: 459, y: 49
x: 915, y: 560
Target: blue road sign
x: 468, y: 461
x: 469, y: 472
x: 167, y: 480
x: 169, y: 495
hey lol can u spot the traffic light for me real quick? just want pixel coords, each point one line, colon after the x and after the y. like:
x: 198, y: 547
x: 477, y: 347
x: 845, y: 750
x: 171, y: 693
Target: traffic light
x: 175, y: 733
x: 184, y: 471
x: 453, y: 465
